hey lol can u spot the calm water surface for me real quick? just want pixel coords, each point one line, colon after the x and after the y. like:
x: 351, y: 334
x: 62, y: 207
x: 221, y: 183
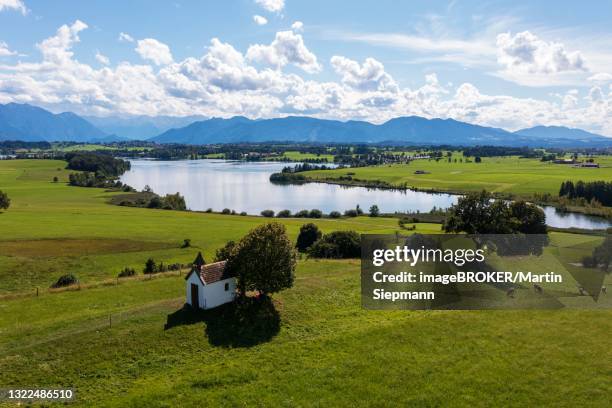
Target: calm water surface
x: 245, y: 186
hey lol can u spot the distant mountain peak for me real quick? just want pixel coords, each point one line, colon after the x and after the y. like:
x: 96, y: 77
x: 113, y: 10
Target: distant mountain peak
x: 32, y: 123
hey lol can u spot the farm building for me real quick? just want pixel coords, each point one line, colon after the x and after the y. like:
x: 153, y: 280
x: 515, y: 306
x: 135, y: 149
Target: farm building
x: 209, y: 286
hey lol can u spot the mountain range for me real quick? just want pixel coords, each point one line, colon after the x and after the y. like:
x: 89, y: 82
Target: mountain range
x: 30, y: 123
x: 403, y: 130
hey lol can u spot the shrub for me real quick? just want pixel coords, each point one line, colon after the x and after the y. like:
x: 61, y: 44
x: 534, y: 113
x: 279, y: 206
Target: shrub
x: 315, y: 213
x: 309, y: 234
x: 589, y: 262
x: 55, y: 179
x: 208, y: 210
x: 283, y: 214
x: 65, y: 280
x: 5, y: 201
x: 150, y: 266
x: 374, y: 211
x: 338, y: 244
x: 226, y: 211
x: 351, y: 213
x: 301, y: 214
x: 243, y: 213
x: 335, y: 214
x: 186, y: 243
x: 125, y: 272
x: 267, y: 213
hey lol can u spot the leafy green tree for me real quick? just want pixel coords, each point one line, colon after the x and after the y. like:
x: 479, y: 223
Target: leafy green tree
x: 309, y: 234
x: 374, y: 211
x: 338, y: 244
x: 478, y: 213
x: 267, y: 213
x: 335, y: 214
x: 226, y: 252
x: 264, y: 260
x: 5, y: 201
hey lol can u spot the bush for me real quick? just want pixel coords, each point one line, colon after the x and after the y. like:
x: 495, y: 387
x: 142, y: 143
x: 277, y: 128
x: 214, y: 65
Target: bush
x: 374, y: 211
x: 338, y: 244
x: 283, y: 214
x: 309, y: 234
x: 150, y: 266
x: 55, y: 179
x: 65, y: 280
x: 267, y: 213
x: 350, y: 213
x: 208, y: 210
x: 589, y: 262
x: 335, y: 214
x: 125, y: 272
x: 315, y: 213
x: 226, y: 211
x: 186, y: 243
x: 243, y: 213
x: 302, y: 214
x: 5, y: 201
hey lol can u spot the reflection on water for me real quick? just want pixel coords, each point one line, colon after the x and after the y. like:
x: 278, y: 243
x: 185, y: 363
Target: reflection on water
x: 241, y: 186
x: 559, y: 219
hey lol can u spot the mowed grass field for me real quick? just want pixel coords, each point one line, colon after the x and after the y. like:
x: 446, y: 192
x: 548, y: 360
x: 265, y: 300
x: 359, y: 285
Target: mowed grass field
x: 511, y: 175
x: 131, y: 344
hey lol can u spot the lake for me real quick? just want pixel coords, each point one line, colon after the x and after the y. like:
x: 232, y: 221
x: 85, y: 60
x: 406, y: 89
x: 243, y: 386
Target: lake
x: 245, y: 186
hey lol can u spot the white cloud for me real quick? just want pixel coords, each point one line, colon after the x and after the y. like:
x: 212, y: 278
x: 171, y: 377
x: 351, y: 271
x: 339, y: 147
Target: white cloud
x: 273, y: 6
x: 102, y: 59
x: 123, y: 37
x: 154, y: 51
x: 56, y: 49
x: 527, y: 53
x: 370, y: 76
x: 297, y: 26
x: 601, y: 77
x: 16, y: 5
x: 5, y: 51
x: 223, y: 82
x: 287, y: 47
x: 260, y: 20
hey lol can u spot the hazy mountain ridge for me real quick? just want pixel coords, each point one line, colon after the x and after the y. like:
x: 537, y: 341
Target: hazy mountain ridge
x: 30, y: 123
x: 408, y: 130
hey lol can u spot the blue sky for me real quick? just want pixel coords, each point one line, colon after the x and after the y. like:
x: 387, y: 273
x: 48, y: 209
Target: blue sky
x: 499, y: 63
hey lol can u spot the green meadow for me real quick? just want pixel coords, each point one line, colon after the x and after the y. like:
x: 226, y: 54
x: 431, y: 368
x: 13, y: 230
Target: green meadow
x: 505, y: 175
x: 130, y: 343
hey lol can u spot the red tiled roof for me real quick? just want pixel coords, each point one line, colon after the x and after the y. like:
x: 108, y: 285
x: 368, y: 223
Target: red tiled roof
x: 214, y: 272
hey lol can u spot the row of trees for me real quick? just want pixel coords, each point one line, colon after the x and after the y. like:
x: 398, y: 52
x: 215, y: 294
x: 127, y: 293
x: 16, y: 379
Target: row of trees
x: 103, y: 165
x: 479, y: 213
x: 592, y: 190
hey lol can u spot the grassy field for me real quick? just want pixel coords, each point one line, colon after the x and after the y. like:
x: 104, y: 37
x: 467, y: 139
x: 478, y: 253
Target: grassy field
x: 151, y: 353
x: 52, y: 229
x: 512, y: 175
x: 130, y: 343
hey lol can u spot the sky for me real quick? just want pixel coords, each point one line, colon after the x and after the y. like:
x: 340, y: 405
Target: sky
x: 509, y: 64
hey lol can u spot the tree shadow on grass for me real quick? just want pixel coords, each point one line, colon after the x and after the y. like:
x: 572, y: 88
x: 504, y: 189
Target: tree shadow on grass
x: 244, y: 323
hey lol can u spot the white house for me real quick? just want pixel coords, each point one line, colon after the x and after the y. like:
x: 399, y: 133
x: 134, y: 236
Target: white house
x: 209, y: 285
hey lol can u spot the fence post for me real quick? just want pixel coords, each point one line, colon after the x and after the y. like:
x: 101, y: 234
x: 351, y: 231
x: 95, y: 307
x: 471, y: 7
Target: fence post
x: 37, y: 291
